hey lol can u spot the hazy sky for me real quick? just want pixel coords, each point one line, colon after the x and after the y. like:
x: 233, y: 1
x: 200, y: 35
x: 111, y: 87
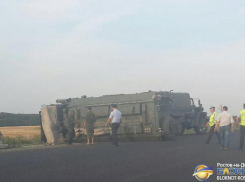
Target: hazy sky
x: 54, y: 49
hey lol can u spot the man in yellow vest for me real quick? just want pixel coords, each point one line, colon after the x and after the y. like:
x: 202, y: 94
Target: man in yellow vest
x: 241, y: 117
x: 212, y: 123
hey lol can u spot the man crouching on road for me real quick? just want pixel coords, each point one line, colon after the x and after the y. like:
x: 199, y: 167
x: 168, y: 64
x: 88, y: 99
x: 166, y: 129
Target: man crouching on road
x: 115, y: 119
x: 225, y: 124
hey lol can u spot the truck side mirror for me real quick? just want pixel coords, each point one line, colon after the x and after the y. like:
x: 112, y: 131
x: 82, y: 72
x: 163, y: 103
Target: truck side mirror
x: 199, y: 103
x: 192, y: 102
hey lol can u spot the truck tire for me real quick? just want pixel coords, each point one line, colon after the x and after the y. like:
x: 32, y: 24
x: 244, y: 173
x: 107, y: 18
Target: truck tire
x: 168, y: 128
x: 200, y: 128
x: 181, y: 125
x: 182, y: 129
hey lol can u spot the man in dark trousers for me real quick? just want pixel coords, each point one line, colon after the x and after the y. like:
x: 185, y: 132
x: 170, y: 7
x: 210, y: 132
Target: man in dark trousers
x: 211, y: 124
x: 241, y: 123
x: 89, y: 124
x: 70, y: 127
x: 115, y: 120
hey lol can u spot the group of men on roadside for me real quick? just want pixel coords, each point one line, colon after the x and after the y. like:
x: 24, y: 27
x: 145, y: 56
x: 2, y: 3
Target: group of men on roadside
x: 223, y: 124
x: 114, y: 119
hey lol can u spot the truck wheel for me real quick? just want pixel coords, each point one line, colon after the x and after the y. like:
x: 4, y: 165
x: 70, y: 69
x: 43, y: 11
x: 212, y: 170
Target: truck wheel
x: 201, y: 127
x: 168, y: 128
x: 182, y: 129
x: 181, y: 125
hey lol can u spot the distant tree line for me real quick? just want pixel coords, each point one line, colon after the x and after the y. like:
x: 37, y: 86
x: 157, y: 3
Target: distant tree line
x: 9, y: 119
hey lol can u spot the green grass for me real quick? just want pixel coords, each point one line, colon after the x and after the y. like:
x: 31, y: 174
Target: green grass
x: 20, y: 140
x: 189, y: 131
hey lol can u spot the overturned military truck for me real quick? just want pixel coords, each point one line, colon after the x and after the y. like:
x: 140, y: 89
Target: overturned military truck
x: 157, y: 115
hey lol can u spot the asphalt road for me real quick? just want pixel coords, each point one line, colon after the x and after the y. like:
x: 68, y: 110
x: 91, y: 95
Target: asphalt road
x: 130, y: 162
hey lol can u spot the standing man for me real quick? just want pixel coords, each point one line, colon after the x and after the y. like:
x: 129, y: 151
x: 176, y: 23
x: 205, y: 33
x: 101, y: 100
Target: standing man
x: 115, y: 119
x: 241, y: 117
x: 70, y: 127
x: 79, y: 117
x: 212, y: 123
x: 225, y: 124
x: 89, y: 123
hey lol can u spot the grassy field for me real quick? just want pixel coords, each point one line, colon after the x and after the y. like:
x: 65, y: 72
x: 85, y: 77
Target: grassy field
x: 18, y: 135
x: 16, y: 131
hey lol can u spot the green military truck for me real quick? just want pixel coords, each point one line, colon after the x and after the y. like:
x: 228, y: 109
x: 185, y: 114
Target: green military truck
x: 160, y: 115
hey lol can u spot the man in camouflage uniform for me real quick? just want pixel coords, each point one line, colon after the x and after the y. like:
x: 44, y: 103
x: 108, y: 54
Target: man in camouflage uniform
x: 89, y: 124
x: 70, y: 127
